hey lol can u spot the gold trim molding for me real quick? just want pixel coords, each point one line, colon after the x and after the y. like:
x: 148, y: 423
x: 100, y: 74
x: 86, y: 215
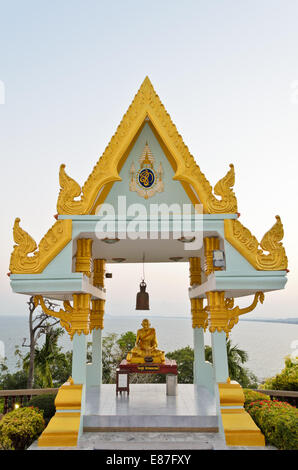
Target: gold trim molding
x: 248, y: 246
x: 51, y: 244
x: 146, y: 104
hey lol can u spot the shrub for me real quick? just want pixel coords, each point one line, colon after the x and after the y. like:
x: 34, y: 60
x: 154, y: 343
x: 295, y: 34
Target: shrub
x: 287, y: 379
x: 45, y: 403
x: 278, y: 421
x: 252, y: 396
x: 19, y: 428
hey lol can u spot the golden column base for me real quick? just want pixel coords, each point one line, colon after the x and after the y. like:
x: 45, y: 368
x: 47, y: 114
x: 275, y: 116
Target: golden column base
x: 63, y: 428
x: 239, y: 427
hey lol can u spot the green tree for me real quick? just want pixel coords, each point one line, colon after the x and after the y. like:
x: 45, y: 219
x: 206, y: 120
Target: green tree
x: 126, y: 342
x: 52, y: 367
x: 236, y: 358
x: 13, y: 381
x: 39, y: 322
x: 184, y: 358
x: 110, y: 357
x: 287, y: 379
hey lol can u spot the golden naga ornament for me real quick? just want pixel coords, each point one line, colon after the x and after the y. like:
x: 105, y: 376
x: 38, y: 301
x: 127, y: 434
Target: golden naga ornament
x: 244, y: 242
x: 146, y: 106
x: 51, y: 244
x: 222, y: 315
x: 76, y: 318
x: 147, y: 181
x: 63, y: 315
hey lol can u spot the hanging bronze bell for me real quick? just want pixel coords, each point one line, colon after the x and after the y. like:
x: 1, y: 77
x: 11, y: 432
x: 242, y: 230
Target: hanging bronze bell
x: 142, y: 297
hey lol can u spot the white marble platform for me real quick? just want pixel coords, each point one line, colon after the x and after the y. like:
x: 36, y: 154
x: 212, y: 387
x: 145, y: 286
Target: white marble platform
x: 148, y: 408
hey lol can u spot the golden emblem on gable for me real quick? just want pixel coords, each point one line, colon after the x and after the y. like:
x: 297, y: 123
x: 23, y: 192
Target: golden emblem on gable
x: 147, y: 181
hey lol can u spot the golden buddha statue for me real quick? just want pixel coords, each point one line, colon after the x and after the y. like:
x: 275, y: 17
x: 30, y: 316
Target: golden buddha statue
x: 145, y: 349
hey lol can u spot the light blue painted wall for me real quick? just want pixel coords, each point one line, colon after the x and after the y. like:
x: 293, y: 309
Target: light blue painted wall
x: 62, y: 263
x: 173, y: 190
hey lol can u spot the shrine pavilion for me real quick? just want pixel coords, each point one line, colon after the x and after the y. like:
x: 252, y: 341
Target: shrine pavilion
x: 147, y: 199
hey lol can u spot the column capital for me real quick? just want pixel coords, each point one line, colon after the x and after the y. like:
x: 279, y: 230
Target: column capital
x: 199, y: 314
x: 99, y: 272
x: 210, y: 244
x: 84, y: 256
x: 195, y: 271
x: 97, y: 314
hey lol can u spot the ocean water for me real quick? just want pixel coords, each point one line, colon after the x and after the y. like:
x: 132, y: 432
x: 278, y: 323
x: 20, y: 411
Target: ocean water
x: 267, y: 344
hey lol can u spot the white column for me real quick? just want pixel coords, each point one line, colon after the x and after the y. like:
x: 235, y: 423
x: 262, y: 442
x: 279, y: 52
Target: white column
x: 199, y: 352
x: 219, y: 356
x: 94, y: 374
x: 79, y: 357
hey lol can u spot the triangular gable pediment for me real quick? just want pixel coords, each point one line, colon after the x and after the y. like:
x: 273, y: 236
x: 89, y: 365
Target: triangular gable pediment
x: 147, y: 158
x: 146, y: 105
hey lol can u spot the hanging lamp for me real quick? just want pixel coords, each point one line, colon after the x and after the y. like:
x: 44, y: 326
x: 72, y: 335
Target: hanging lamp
x: 142, y: 301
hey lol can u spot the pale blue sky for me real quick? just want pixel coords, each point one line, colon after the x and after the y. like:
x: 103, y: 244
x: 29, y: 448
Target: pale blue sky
x: 226, y: 72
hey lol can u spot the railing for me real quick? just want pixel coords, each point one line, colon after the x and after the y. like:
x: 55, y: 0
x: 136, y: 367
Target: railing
x: 22, y: 396
x: 282, y: 395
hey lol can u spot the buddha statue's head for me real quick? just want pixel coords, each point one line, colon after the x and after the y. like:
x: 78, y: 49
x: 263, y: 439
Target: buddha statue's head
x: 145, y: 323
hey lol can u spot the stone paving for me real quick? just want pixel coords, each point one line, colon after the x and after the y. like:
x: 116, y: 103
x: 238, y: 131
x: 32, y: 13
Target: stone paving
x: 151, y: 441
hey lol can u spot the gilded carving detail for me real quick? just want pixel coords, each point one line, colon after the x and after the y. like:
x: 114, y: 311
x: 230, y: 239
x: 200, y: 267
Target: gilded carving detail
x: 97, y: 314
x: 99, y: 272
x: 51, y: 244
x: 199, y: 314
x: 222, y: 315
x: 147, y: 181
x: 84, y: 256
x: 63, y: 315
x: 76, y: 318
x: 210, y: 244
x: 145, y: 104
x: 235, y: 312
x: 195, y: 271
x: 241, y: 238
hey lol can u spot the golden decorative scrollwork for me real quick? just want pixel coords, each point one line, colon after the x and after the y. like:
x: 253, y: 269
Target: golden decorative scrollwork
x: 63, y: 315
x: 235, y: 312
x: 51, y: 244
x: 228, y: 201
x: 248, y: 246
x: 146, y: 104
x: 222, y: 315
x: 76, y: 318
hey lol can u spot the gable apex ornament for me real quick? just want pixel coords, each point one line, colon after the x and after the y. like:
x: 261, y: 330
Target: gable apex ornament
x: 147, y: 181
x: 146, y: 105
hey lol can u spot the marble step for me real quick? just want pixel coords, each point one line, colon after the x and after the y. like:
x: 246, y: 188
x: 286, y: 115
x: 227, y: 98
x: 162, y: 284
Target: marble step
x: 150, y: 423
